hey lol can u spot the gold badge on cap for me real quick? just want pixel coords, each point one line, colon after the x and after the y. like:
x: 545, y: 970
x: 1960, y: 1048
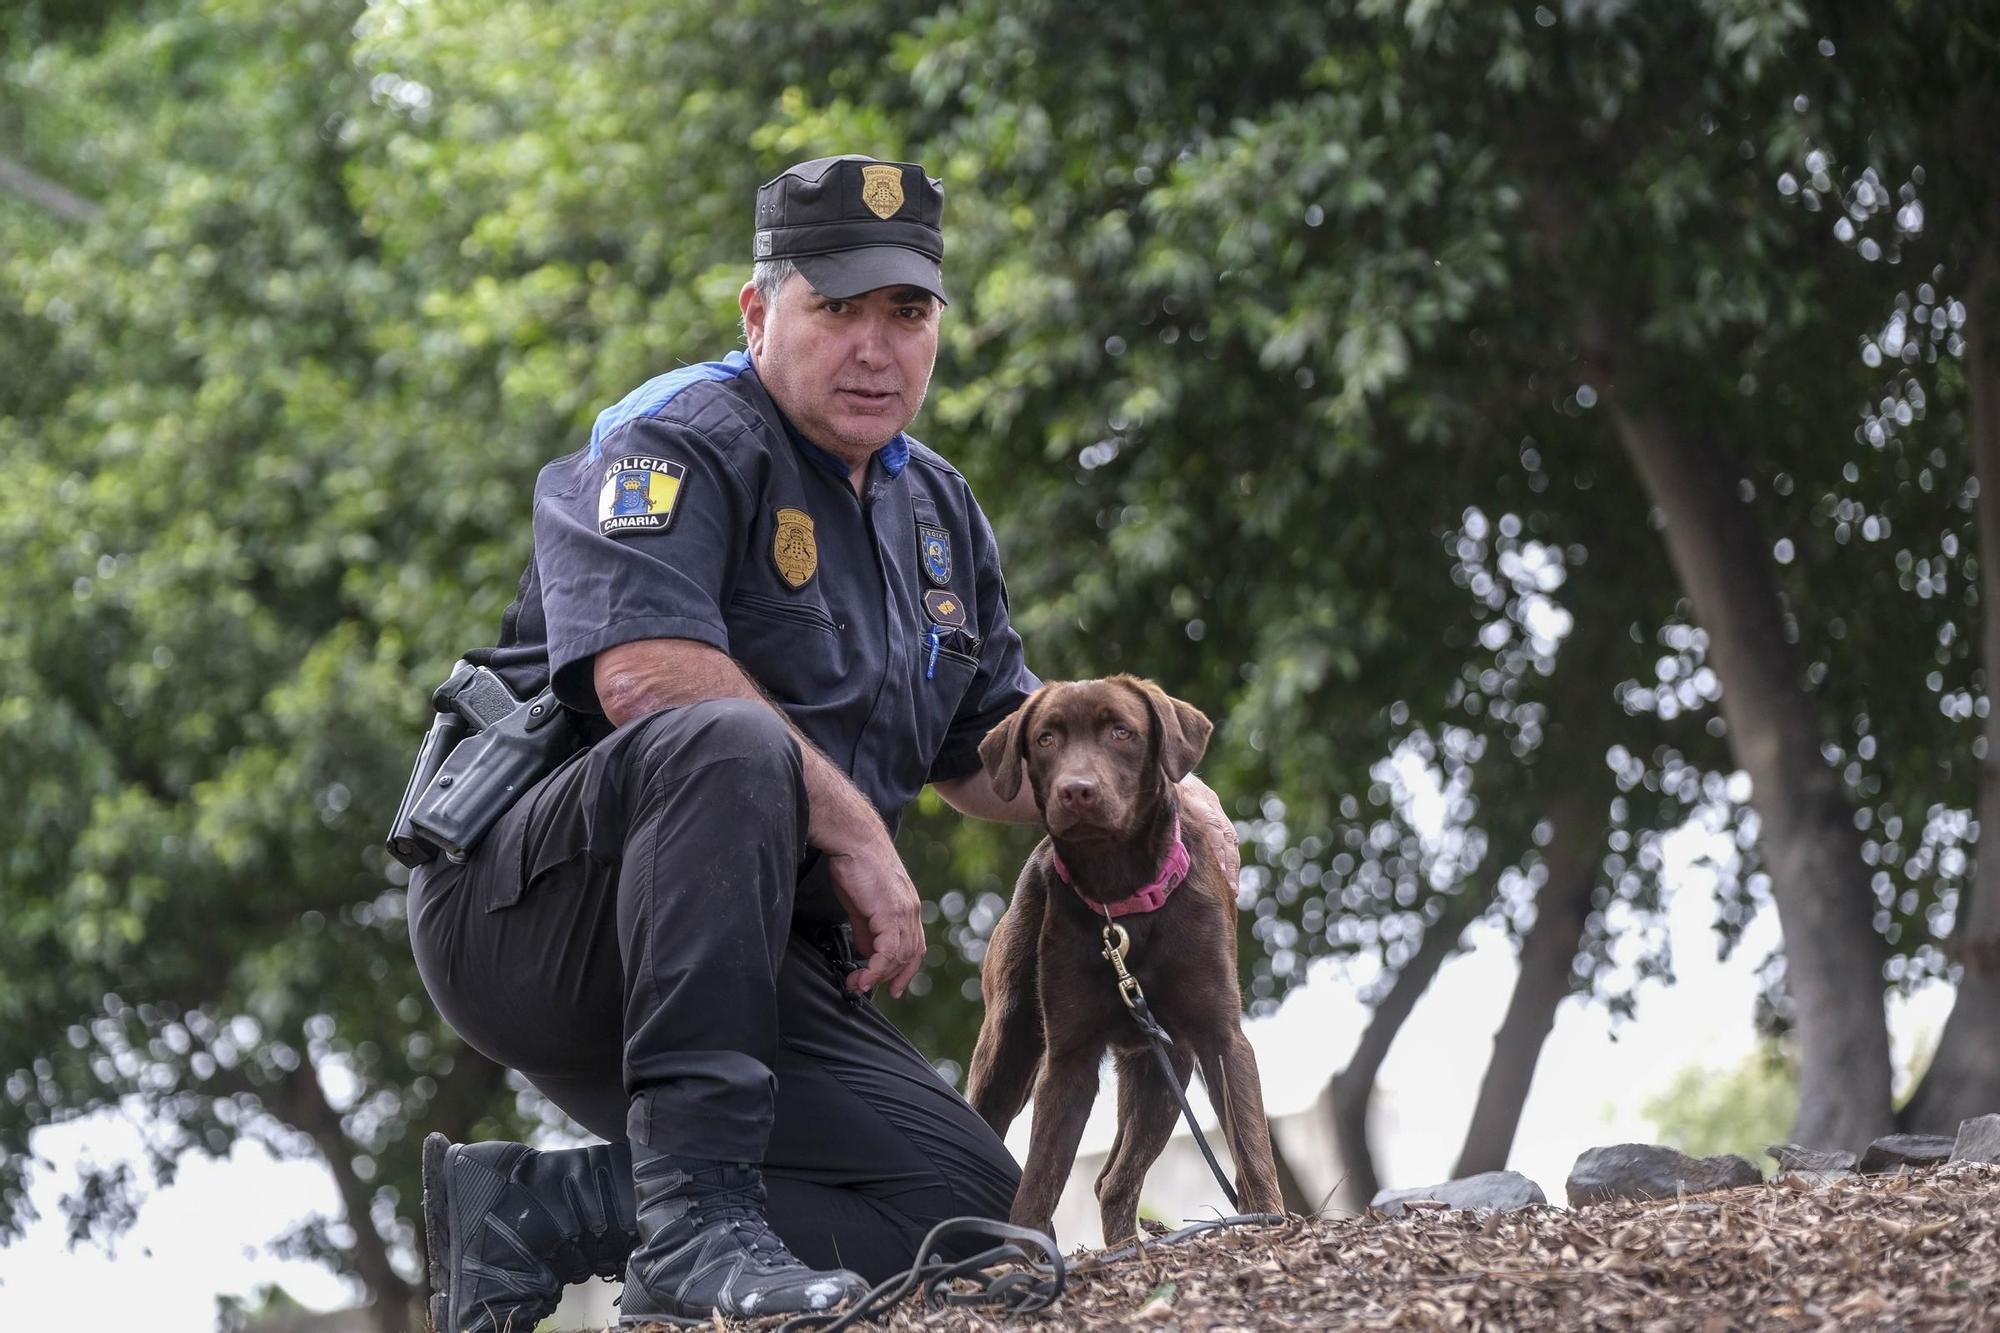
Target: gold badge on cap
x: 882, y: 190
x: 793, y: 548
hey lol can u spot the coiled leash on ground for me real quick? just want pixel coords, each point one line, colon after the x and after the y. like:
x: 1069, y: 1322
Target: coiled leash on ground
x: 1035, y: 1286
x: 1106, y: 1258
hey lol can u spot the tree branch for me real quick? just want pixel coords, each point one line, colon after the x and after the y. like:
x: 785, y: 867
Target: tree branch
x: 46, y: 194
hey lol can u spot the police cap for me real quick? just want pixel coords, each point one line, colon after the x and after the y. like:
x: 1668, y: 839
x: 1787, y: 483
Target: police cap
x: 852, y: 224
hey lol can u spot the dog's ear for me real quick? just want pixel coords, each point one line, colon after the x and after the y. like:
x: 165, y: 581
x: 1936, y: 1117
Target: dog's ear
x: 1182, y: 728
x: 1002, y: 751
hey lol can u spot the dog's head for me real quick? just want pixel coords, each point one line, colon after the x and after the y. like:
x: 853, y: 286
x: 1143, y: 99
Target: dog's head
x: 1096, y: 753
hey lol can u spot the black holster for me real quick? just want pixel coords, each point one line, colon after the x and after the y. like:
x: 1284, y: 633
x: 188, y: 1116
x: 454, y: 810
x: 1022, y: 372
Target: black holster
x: 484, y: 750
x: 445, y: 734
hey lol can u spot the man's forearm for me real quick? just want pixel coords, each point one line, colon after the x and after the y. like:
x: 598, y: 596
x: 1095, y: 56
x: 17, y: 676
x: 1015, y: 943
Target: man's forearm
x: 973, y: 795
x: 637, y: 679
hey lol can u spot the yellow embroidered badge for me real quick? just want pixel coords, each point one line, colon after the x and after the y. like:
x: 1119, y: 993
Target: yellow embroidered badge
x: 882, y: 189
x: 944, y: 608
x: 793, y: 548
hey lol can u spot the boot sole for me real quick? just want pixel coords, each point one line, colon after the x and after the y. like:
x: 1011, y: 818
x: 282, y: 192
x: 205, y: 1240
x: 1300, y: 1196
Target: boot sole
x: 437, y: 1231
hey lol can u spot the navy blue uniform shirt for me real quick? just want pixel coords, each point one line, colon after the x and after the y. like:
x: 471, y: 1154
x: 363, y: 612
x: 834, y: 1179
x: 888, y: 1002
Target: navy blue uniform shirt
x: 877, y: 622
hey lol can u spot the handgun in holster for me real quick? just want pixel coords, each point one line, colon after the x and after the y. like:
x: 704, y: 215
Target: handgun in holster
x: 485, y: 748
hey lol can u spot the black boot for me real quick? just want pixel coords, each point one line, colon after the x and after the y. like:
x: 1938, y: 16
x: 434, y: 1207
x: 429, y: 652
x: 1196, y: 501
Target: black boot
x: 507, y: 1227
x: 705, y: 1249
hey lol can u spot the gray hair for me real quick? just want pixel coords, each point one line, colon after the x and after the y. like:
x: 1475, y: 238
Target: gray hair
x: 768, y: 276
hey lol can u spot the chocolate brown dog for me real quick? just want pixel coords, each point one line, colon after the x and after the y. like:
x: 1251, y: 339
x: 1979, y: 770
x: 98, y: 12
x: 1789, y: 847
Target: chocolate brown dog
x: 1102, y: 757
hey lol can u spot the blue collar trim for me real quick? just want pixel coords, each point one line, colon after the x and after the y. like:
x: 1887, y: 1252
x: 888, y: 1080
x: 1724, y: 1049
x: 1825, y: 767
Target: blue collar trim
x: 651, y: 398
x: 894, y: 456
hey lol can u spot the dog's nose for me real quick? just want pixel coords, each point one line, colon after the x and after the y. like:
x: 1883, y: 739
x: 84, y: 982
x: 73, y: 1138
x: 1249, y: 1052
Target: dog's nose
x: 1077, y: 793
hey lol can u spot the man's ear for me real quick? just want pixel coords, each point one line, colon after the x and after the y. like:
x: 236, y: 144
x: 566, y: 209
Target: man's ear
x: 1183, y: 730
x: 1002, y: 751
x: 755, y: 309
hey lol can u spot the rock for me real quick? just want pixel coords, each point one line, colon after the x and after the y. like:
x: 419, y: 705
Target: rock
x: 1812, y: 1180
x: 1791, y: 1157
x: 1503, y: 1191
x: 1810, y: 1168
x: 1646, y: 1171
x: 1978, y: 1140
x: 1897, y: 1152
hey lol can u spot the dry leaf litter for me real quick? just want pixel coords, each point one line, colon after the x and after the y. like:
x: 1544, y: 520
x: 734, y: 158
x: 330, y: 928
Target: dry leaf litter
x: 1913, y: 1251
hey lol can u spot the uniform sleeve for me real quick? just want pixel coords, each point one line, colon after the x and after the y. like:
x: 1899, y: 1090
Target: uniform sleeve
x: 1002, y: 682
x: 641, y: 542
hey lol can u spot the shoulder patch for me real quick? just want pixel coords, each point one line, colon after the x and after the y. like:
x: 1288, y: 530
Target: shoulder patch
x: 640, y: 494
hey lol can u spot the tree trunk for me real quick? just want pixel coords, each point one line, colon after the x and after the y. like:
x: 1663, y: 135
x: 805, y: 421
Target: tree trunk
x: 1354, y: 1086
x: 1964, y: 1076
x: 1547, y: 951
x: 394, y: 1306
x: 1833, y: 955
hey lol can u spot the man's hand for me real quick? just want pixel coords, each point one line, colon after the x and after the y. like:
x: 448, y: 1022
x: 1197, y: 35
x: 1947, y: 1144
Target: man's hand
x: 1204, y: 807
x: 887, y: 916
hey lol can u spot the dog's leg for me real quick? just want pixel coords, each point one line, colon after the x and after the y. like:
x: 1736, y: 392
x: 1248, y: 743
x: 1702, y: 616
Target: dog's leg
x: 1238, y: 1094
x: 1062, y: 1104
x: 1127, y: 1089
x: 1009, y: 1049
x: 1147, y: 1110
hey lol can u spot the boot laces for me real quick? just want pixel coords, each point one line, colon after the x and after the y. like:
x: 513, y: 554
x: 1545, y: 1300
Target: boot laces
x: 734, y: 1196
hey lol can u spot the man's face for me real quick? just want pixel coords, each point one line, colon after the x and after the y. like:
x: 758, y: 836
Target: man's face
x: 849, y: 373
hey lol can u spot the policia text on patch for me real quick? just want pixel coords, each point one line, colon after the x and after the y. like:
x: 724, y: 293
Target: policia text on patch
x: 485, y: 748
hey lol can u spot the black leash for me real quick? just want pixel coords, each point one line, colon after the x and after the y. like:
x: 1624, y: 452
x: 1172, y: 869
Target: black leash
x: 1116, y: 944
x: 1035, y: 1286
x: 1105, y: 1258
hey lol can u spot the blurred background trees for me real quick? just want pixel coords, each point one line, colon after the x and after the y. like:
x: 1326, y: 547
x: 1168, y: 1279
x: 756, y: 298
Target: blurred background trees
x: 1525, y: 429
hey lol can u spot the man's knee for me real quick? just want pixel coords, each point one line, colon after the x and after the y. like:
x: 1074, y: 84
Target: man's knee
x: 729, y: 740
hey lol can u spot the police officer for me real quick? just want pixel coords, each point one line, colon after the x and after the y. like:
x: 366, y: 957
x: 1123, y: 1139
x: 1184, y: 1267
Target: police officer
x: 776, y: 617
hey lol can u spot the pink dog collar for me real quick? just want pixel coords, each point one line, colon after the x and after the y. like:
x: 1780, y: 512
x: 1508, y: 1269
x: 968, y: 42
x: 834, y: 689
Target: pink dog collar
x: 1150, y: 898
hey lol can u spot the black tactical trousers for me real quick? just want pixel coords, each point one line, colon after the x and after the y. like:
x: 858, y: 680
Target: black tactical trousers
x: 625, y: 937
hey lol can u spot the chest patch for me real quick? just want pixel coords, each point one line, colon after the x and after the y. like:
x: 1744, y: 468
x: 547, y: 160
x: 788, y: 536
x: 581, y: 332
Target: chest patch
x: 944, y: 608
x: 793, y: 548
x: 639, y: 494
x: 935, y: 546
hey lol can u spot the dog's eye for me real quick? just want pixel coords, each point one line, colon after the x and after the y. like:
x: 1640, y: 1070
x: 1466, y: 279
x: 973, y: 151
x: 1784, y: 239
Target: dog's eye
x: 1119, y: 733
x: 1046, y: 739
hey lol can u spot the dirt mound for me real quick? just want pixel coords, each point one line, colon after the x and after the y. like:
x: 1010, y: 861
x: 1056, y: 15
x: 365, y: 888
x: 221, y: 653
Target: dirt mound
x: 1919, y: 1250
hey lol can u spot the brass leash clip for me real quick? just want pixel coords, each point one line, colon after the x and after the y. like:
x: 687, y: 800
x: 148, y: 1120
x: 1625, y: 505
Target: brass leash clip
x: 1116, y: 943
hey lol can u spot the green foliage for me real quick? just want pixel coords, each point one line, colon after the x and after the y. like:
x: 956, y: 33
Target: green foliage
x: 1707, y: 1111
